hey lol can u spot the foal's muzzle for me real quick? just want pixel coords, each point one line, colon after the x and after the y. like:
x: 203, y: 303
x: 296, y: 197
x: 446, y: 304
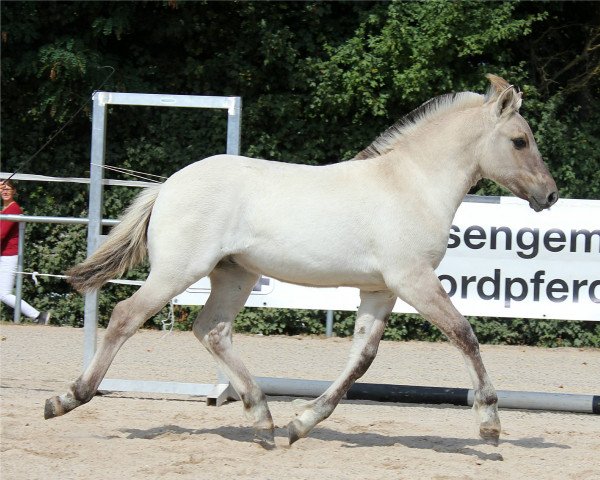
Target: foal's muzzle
x: 540, y: 202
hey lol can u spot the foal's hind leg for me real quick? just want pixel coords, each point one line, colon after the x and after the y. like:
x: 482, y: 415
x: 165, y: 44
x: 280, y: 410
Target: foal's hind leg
x: 230, y: 287
x: 374, y: 310
x: 426, y: 294
x: 125, y: 320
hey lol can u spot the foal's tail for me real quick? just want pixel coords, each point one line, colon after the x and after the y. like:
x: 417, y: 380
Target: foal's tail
x: 124, y: 248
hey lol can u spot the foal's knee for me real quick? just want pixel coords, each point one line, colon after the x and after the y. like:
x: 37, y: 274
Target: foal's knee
x: 364, y: 360
x: 462, y: 334
x: 368, y: 355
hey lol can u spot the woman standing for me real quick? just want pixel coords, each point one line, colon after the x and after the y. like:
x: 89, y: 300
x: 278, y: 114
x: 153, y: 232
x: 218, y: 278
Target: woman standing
x: 9, y: 245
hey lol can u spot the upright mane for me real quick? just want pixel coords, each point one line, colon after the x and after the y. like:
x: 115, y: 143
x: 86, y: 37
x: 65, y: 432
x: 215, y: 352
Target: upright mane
x: 448, y: 102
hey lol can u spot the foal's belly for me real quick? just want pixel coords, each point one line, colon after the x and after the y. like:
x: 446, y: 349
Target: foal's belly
x: 316, y: 272
x: 306, y: 257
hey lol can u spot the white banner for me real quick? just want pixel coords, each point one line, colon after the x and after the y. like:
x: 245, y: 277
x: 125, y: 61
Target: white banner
x: 503, y: 260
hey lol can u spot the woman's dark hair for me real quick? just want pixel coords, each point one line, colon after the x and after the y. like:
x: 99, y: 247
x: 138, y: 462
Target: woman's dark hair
x: 8, y: 183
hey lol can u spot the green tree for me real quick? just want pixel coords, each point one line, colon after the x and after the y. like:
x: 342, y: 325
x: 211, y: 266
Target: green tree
x: 319, y: 81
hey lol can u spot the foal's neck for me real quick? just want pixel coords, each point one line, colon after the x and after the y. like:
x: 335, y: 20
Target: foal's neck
x: 445, y: 156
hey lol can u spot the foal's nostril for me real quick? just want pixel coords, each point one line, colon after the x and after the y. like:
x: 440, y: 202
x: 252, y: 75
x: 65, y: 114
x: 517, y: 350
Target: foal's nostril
x: 552, y: 198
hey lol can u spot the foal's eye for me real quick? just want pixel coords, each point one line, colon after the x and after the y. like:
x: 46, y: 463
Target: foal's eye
x: 519, y: 143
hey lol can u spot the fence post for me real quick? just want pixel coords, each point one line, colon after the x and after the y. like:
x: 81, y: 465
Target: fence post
x: 329, y: 324
x: 90, y: 316
x: 19, y: 277
x: 234, y: 126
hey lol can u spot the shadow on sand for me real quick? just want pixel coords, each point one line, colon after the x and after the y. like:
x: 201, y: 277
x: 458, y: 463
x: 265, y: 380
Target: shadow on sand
x: 453, y: 445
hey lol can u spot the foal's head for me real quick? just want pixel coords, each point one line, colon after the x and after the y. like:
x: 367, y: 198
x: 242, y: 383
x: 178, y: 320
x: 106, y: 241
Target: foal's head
x: 510, y: 155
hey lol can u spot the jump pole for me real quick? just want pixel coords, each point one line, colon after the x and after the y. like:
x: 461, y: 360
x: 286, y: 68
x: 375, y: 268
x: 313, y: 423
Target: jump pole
x: 562, y: 402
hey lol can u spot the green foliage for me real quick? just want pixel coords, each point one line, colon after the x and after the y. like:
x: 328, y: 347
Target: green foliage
x: 269, y: 321
x: 405, y: 327
x: 569, y: 138
x: 319, y: 80
x: 546, y: 333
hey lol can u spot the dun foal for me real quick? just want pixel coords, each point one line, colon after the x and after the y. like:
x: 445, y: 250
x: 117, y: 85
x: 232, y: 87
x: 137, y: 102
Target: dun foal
x: 379, y: 223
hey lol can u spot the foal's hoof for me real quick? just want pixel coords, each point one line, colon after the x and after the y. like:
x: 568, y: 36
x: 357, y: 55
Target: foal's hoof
x: 265, y: 438
x: 296, y: 431
x: 53, y: 408
x: 490, y: 435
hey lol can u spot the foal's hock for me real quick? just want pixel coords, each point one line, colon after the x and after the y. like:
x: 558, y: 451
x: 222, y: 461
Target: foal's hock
x: 379, y: 223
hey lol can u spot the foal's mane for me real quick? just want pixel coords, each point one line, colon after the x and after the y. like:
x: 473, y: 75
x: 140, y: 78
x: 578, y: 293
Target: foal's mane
x: 432, y: 108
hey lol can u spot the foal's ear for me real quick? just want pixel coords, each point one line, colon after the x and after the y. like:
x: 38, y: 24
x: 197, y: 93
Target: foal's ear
x: 497, y: 86
x: 508, y: 102
x: 503, y: 95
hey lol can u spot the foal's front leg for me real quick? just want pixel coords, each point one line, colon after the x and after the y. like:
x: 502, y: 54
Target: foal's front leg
x: 425, y: 293
x: 374, y: 310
